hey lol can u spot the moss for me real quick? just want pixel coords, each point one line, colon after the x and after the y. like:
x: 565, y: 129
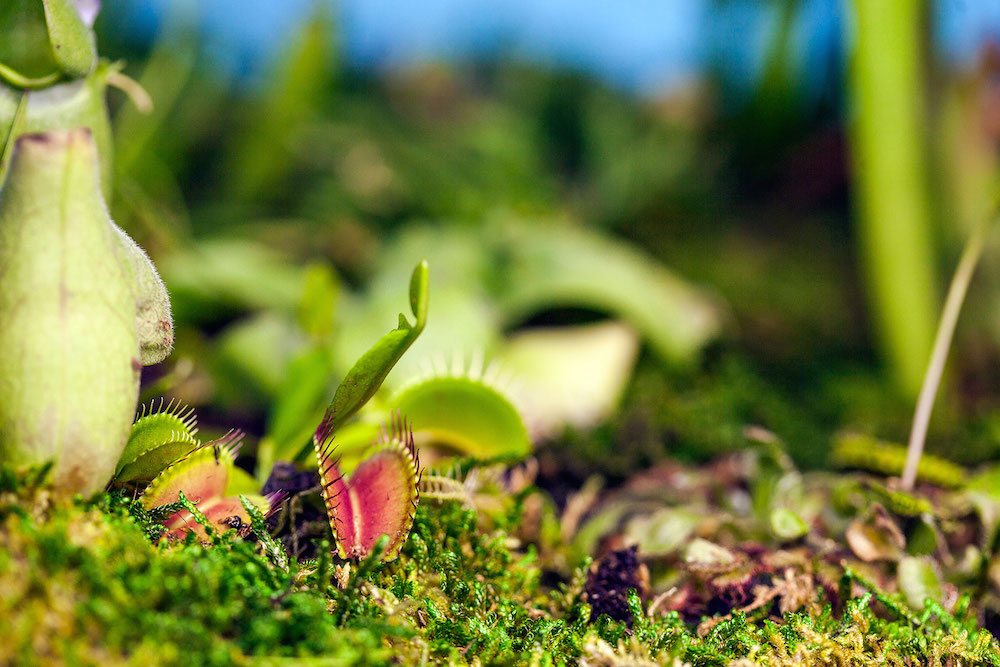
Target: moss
x: 84, y: 582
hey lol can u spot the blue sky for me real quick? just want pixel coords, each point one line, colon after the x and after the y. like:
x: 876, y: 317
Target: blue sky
x: 641, y: 45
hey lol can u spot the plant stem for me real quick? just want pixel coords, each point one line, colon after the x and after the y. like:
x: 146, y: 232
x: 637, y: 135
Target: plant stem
x: 942, y: 343
x: 15, y: 129
x: 888, y: 149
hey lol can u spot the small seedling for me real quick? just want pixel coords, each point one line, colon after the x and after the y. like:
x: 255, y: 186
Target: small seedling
x: 942, y: 343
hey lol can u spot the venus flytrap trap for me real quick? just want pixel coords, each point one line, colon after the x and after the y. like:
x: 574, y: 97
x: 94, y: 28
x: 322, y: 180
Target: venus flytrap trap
x: 203, y: 476
x: 465, y: 410
x: 158, y: 439
x: 380, y: 496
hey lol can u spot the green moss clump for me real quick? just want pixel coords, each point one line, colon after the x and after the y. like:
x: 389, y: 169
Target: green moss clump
x: 84, y: 584
x: 89, y: 583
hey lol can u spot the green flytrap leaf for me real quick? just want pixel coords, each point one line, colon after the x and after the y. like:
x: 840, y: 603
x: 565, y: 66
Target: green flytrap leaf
x: 465, y: 412
x: 158, y: 439
x: 367, y: 374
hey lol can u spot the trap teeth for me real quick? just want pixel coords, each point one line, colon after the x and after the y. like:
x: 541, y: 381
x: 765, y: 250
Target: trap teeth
x: 379, y: 497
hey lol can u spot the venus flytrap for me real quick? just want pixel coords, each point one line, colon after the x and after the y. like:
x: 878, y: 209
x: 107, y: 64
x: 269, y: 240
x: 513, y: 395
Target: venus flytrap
x: 379, y: 499
x: 464, y: 411
x: 203, y: 477
x: 368, y: 372
x: 380, y: 496
x: 158, y: 439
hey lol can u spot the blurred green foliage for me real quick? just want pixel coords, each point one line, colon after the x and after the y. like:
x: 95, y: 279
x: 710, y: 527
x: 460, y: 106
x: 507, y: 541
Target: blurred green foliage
x: 285, y: 214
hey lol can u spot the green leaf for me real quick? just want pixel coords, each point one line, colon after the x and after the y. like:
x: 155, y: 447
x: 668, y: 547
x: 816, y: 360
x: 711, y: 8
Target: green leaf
x: 297, y: 408
x: 918, y: 581
x: 570, y: 375
x: 367, y: 374
x: 320, y: 292
x: 787, y: 525
x: 465, y: 315
x: 251, y: 358
x: 558, y: 266
x: 72, y: 42
x: 213, y: 279
x: 157, y: 440
x: 261, y: 157
x: 466, y: 414
x: 300, y: 398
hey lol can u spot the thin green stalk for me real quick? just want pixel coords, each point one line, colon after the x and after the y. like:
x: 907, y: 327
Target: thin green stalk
x: 18, y: 80
x: 15, y: 129
x: 942, y: 343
